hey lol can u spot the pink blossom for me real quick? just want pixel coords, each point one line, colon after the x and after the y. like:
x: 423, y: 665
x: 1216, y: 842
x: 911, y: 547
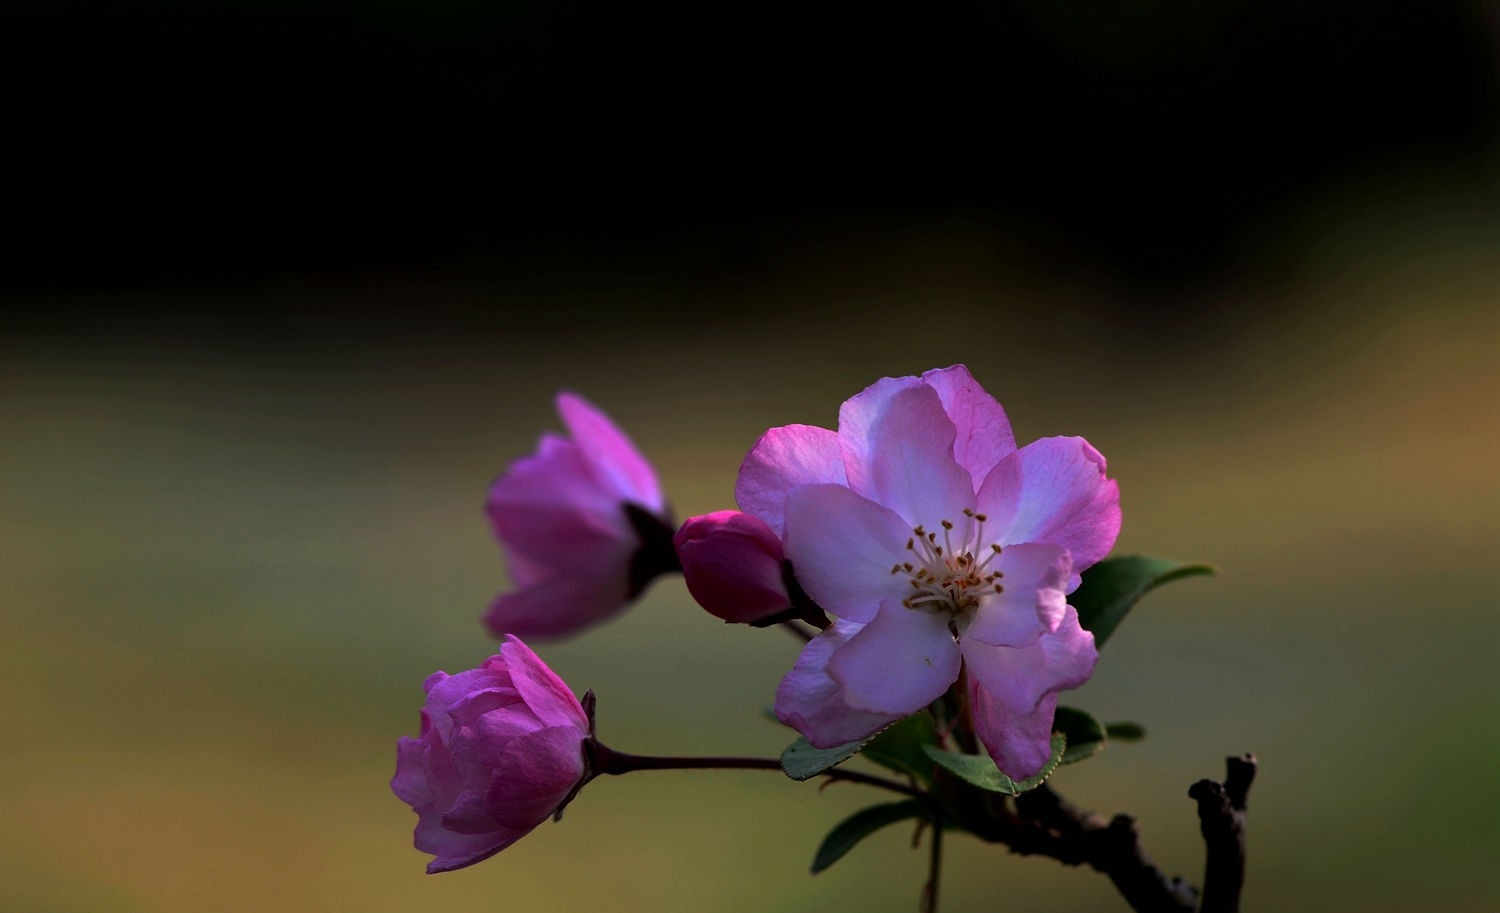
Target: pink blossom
x: 938, y: 545
x: 501, y: 747
x: 583, y: 524
x: 732, y: 564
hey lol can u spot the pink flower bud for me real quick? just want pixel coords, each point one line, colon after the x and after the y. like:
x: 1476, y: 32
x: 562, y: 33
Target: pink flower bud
x: 501, y: 747
x: 732, y: 564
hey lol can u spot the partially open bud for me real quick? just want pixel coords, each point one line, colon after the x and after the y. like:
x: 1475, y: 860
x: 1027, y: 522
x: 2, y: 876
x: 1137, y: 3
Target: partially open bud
x: 583, y: 524
x: 501, y: 749
x: 732, y: 563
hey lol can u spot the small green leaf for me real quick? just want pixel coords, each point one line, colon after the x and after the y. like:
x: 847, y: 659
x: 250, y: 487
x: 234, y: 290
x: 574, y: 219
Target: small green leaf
x: 801, y: 761
x: 899, y: 746
x: 1125, y: 732
x: 1086, y: 735
x: 860, y: 825
x: 980, y: 771
x: 1111, y: 587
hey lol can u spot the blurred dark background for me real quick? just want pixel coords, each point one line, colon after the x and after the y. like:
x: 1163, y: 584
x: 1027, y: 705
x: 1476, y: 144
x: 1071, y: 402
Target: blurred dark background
x: 1146, y: 146
x: 286, y: 285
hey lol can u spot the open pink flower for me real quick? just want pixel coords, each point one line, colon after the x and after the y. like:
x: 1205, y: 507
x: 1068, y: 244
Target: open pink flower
x: 732, y: 564
x: 583, y: 524
x: 501, y: 747
x: 938, y: 545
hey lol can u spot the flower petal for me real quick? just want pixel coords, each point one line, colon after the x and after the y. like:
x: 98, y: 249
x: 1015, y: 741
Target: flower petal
x: 781, y: 460
x: 1013, y: 692
x: 548, y: 508
x: 613, y: 456
x: 535, y: 774
x: 410, y: 782
x: 858, y: 416
x: 842, y: 547
x: 984, y: 434
x: 909, y: 459
x: 547, y: 696
x: 558, y: 606
x: 897, y: 445
x: 471, y: 814
x: 524, y: 571
x: 1054, y: 490
x: 477, y: 746
x: 444, y: 692
x: 1033, y: 599
x: 899, y: 663
x: 808, y: 698
x: 455, y: 850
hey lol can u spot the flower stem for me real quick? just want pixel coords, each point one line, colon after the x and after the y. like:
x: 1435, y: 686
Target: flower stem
x: 934, y: 867
x: 798, y: 631
x: 604, y: 760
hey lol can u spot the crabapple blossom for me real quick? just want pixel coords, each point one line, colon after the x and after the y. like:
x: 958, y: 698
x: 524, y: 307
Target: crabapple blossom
x: 939, y: 546
x: 500, y: 748
x: 583, y: 525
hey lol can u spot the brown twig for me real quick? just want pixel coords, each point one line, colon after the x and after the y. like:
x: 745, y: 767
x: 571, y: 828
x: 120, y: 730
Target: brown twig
x: 1045, y: 824
x: 1051, y: 826
x: 1221, y: 816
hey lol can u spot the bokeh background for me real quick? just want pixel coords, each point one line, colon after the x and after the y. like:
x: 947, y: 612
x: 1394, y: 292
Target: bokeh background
x: 286, y: 286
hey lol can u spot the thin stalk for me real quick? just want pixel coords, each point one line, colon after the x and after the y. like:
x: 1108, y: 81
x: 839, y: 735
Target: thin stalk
x: 605, y: 760
x: 934, y: 867
x: 798, y: 631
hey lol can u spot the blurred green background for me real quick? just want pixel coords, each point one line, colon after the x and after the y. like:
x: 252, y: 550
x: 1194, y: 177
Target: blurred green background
x: 251, y: 399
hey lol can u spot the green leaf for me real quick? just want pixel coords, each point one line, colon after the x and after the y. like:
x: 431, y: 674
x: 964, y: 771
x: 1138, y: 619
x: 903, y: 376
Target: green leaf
x: 899, y: 746
x: 1125, y: 732
x: 1086, y: 735
x: 1111, y: 587
x: 980, y: 771
x: 860, y: 825
x: 801, y: 761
